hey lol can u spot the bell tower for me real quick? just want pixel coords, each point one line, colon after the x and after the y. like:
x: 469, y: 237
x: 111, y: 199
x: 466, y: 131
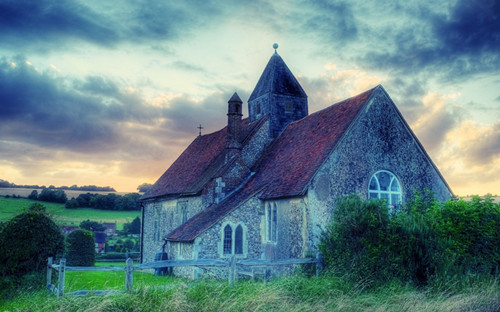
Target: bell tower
x: 278, y: 95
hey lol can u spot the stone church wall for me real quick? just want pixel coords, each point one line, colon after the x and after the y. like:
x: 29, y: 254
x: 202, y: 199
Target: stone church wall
x: 258, y: 142
x: 168, y: 215
x: 377, y: 141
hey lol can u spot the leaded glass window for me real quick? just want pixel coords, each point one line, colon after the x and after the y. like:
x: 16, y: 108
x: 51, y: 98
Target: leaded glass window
x: 238, y: 240
x: 228, y: 233
x: 384, y: 185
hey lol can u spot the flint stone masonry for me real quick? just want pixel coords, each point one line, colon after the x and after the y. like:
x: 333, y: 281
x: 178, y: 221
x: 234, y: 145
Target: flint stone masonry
x: 168, y: 216
x: 300, y: 164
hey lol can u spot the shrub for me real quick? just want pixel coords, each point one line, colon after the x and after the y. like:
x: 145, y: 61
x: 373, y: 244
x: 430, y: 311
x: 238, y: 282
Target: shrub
x: 424, y: 240
x: 80, y: 248
x: 472, y: 230
x: 27, y: 240
x: 417, y: 251
x: 355, y: 242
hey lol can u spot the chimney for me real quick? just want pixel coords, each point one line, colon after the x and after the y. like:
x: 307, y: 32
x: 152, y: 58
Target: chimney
x: 234, y: 114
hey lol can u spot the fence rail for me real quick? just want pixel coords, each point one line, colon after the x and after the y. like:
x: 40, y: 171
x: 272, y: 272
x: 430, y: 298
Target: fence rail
x: 129, y: 268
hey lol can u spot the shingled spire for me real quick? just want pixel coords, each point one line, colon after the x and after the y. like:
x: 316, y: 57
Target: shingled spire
x: 233, y: 146
x: 279, y: 95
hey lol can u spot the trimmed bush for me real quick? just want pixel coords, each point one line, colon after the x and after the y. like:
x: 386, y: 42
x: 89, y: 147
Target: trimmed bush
x: 80, y: 248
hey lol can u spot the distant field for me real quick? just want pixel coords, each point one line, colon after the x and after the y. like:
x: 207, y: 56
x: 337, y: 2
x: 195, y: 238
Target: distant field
x: 25, y: 192
x: 10, y: 207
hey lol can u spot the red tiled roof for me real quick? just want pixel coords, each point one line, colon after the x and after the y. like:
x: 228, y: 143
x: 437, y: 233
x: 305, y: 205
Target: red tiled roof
x: 304, y: 145
x: 288, y: 164
x: 196, y: 166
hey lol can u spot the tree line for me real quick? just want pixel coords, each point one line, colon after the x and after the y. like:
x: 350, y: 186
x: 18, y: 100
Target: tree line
x: 87, y: 188
x: 110, y: 201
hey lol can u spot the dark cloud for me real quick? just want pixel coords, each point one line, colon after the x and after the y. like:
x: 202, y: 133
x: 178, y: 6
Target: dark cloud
x: 96, y: 116
x: 41, y: 22
x: 49, y: 25
x: 465, y: 41
x: 331, y: 21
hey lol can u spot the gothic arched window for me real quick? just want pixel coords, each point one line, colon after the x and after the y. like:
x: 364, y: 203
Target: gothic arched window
x: 238, y: 240
x: 228, y: 241
x: 385, y: 185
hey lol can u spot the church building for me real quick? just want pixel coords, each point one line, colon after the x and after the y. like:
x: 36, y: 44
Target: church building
x: 265, y: 186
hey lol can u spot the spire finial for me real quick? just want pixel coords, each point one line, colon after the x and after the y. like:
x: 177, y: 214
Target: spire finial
x: 200, y: 127
x: 275, y: 47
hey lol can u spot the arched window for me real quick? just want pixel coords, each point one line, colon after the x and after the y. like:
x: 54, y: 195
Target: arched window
x: 238, y: 240
x: 228, y: 244
x: 385, y: 185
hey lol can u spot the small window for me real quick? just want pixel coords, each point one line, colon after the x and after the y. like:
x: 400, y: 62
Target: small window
x: 156, y: 223
x: 271, y: 222
x: 228, y: 244
x: 257, y: 109
x: 288, y: 107
x: 238, y: 240
x: 275, y: 221
x: 384, y: 185
x: 182, y: 209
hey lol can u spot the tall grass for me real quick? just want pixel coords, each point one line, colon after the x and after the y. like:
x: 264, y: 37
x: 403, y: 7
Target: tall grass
x: 294, y: 293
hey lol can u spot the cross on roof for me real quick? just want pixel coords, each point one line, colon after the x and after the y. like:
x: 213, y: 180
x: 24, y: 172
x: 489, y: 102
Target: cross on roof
x: 199, y: 127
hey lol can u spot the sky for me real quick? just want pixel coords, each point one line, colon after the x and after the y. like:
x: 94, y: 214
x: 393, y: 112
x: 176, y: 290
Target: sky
x: 109, y: 93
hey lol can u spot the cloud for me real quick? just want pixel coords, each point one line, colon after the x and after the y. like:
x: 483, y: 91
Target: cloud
x: 335, y: 85
x: 435, y: 121
x: 39, y: 22
x: 330, y: 21
x: 36, y: 23
x: 49, y: 121
x: 452, y: 43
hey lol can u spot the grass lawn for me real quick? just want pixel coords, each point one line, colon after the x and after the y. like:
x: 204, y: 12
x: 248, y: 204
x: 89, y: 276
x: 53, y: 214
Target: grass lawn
x: 9, y: 207
x: 98, y: 280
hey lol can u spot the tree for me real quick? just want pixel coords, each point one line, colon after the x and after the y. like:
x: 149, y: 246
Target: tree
x: 144, y: 187
x: 128, y: 245
x: 71, y: 204
x: 81, y: 248
x: 134, y: 227
x: 33, y: 195
x: 27, y: 240
x: 92, y: 226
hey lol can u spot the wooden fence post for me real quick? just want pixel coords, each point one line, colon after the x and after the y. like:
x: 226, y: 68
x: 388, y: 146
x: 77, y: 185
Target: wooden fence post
x: 49, y: 272
x: 62, y: 272
x: 319, y: 263
x: 129, y: 274
x: 232, y: 271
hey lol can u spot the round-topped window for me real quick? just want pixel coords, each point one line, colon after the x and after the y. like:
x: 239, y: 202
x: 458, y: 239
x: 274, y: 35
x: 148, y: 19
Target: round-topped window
x: 385, y: 185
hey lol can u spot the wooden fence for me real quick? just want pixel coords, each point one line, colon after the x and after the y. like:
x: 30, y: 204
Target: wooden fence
x: 129, y: 268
